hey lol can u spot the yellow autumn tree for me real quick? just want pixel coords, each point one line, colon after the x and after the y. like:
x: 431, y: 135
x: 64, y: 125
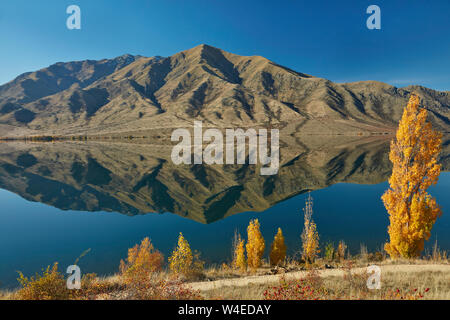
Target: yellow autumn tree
x: 180, y: 262
x: 142, y: 260
x: 255, y: 245
x: 412, y: 211
x: 278, y: 249
x: 310, y: 236
x: 239, y: 255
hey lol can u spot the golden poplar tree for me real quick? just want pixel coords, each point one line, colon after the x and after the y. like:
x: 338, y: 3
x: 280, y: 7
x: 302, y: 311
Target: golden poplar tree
x: 278, y: 249
x: 181, y: 260
x: 412, y: 211
x: 255, y: 245
x: 239, y: 256
x: 310, y: 236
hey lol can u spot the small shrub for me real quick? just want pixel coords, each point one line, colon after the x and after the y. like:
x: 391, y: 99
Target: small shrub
x: 438, y: 255
x: 329, y: 251
x: 364, y: 255
x: 225, y: 267
x: 376, y: 257
x: 48, y: 286
x: 341, y: 250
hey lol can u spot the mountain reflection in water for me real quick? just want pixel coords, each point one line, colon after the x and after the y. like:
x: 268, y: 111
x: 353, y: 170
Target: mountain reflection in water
x: 140, y: 178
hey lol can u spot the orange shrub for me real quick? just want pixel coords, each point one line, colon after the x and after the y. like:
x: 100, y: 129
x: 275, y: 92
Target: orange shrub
x: 142, y: 261
x: 48, y: 286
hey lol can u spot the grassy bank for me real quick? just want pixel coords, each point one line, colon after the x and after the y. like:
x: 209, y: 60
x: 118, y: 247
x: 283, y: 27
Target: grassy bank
x: 412, y: 279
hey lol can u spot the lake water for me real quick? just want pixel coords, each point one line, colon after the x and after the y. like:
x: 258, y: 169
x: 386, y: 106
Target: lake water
x: 57, y: 200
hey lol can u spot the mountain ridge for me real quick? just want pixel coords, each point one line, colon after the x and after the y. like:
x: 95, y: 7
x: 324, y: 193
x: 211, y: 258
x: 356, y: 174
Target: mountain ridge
x: 135, y: 94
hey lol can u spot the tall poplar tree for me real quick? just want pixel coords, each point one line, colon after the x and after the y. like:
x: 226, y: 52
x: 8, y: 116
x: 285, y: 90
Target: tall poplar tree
x: 412, y: 211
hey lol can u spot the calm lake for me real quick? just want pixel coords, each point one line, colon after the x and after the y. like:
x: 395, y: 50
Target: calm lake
x: 58, y: 200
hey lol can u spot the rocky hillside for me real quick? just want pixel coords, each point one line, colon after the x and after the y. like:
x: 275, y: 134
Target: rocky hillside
x: 135, y: 94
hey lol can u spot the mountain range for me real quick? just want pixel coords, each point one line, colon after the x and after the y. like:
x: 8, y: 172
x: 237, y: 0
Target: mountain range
x: 137, y: 95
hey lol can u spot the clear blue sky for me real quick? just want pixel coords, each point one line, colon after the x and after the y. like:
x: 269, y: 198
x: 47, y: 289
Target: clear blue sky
x: 323, y: 38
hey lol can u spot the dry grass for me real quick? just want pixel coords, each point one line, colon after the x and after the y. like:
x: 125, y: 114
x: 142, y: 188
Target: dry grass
x: 6, y: 295
x: 394, y: 276
x: 224, y: 282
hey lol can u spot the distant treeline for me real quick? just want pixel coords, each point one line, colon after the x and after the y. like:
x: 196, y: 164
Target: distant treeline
x: 48, y: 138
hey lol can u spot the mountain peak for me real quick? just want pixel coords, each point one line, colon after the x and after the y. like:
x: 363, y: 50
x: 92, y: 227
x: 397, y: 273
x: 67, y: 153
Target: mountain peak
x: 205, y: 46
x: 126, y: 55
x: 203, y: 50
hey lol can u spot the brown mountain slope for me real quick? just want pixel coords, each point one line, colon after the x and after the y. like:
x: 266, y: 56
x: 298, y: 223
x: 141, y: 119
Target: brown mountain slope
x: 203, y: 83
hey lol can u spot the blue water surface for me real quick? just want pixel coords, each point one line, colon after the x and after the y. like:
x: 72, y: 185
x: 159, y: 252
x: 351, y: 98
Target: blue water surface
x: 34, y: 235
